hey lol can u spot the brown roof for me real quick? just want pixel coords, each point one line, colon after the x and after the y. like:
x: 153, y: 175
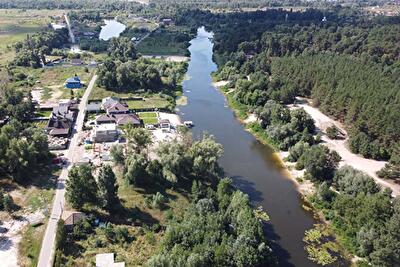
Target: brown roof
x: 117, y: 108
x: 105, y: 118
x: 72, y: 217
x: 123, y: 119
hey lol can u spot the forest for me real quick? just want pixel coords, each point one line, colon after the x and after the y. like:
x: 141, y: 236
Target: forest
x: 123, y: 71
x: 303, y: 56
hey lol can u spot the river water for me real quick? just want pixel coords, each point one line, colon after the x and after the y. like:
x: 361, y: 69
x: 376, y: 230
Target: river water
x: 251, y: 164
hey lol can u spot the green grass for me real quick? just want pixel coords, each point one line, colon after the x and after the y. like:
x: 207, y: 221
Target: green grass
x: 148, y: 117
x: 29, y: 247
x: 150, y: 102
x: 43, y: 113
x: 15, y: 24
x: 241, y: 110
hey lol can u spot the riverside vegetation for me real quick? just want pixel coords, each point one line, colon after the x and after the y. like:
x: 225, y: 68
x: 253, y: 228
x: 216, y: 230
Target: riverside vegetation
x: 155, y: 230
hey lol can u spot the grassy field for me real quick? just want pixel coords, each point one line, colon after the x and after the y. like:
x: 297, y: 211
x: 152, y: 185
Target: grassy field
x: 150, y: 100
x: 15, y: 24
x: 148, y: 117
x: 168, y: 41
x: 51, y: 80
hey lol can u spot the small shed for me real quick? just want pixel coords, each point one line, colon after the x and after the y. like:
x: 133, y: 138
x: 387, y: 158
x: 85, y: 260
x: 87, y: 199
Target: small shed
x: 71, y: 218
x: 73, y: 82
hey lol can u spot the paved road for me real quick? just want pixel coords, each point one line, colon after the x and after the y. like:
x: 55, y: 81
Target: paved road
x: 47, y: 250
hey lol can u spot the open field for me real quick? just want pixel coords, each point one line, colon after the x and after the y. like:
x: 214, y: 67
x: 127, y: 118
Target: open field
x: 15, y: 24
x: 48, y: 83
x: 150, y: 101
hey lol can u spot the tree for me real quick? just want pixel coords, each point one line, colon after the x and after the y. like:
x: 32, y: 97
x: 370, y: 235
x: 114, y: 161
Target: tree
x: 173, y: 159
x: 332, y: 132
x: 108, y: 188
x: 122, y: 48
x: 350, y: 181
x: 320, y: 163
x: 81, y: 186
x: 135, y: 171
x: 138, y: 138
x: 205, y: 154
x: 117, y: 154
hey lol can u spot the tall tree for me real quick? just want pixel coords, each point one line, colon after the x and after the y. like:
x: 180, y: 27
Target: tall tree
x: 108, y: 188
x: 81, y: 186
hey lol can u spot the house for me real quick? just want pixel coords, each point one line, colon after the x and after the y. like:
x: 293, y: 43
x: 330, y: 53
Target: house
x: 76, y: 62
x: 119, y: 119
x: 73, y: 82
x: 117, y: 108
x: 60, y: 122
x: 105, y: 132
x: 107, y: 260
x: 167, y: 21
x: 165, y: 124
x: 93, y: 107
x: 70, y: 218
x: 108, y: 101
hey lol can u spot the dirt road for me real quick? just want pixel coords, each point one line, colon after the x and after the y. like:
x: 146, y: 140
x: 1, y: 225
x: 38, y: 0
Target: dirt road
x: 369, y: 166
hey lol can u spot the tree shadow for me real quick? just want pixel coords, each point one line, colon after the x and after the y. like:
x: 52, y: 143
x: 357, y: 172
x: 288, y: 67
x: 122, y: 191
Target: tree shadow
x: 279, y: 252
x: 247, y: 187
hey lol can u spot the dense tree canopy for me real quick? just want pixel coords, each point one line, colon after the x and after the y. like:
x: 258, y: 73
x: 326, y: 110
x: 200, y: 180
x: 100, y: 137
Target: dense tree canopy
x: 218, y: 230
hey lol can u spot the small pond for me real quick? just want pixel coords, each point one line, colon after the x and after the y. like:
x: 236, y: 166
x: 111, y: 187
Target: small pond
x: 112, y: 29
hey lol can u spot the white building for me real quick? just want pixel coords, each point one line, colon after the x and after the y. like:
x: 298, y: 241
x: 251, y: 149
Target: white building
x: 107, y: 260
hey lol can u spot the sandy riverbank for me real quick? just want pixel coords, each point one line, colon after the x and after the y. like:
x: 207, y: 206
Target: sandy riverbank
x: 369, y: 166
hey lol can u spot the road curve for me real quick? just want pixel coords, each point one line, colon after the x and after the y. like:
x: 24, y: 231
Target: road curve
x: 48, y: 244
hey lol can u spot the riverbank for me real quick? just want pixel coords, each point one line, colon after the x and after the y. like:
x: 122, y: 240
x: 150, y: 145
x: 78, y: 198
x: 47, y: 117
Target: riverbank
x: 304, y: 187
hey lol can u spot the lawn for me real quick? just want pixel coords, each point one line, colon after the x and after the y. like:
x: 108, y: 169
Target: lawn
x: 149, y: 102
x: 148, y: 117
x: 43, y: 113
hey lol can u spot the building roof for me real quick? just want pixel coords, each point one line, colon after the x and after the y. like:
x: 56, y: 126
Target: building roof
x: 117, y: 108
x: 76, y: 61
x: 107, y: 260
x: 123, y: 119
x: 106, y: 127
x: 164, y: 121
x: 74, y: 79
x: 72, y: 217
x: 120, y: 119
x: 108, y: 101
x: 103, y: 118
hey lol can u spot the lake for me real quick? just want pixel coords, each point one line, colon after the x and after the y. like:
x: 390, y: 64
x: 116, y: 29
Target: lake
x: 252, y: 165
x: 112, y: 29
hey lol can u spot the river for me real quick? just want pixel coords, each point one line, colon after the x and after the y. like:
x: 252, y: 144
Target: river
x: 251, y: 164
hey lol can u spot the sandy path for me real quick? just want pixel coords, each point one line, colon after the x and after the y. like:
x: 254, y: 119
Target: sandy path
x: 369, y: 166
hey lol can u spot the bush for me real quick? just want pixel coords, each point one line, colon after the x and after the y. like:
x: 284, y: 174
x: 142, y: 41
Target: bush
x: 333, y: 132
